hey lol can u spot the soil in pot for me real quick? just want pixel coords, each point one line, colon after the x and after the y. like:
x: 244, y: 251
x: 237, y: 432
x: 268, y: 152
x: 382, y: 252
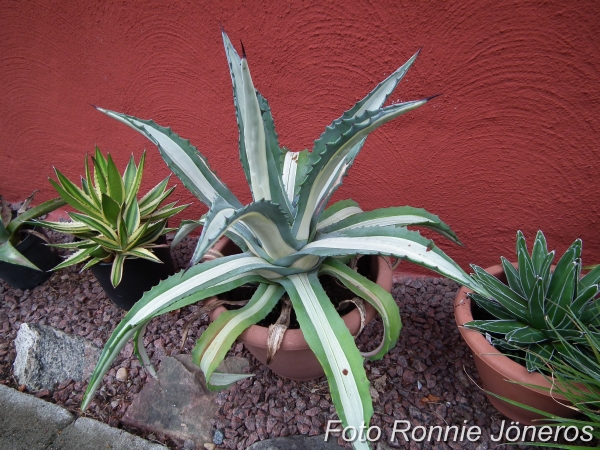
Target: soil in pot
x: 36, y: 251
x: 499, y: 373
x: 139, y: 276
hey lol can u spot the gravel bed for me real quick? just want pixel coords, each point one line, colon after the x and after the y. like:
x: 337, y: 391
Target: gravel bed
x: 428, y: 378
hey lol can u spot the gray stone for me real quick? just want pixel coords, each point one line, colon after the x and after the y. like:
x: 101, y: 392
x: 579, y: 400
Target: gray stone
x: 218, y: 437
x: 179, y: 404
x: 46, y: 356
x: 88, y: 434
x: 28, y: 423
x: 296, y: 443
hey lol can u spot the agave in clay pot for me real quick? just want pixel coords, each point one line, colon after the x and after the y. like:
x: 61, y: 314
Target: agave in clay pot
x: 288, y: 238
x: 283, y: 349
x: 527, y: 319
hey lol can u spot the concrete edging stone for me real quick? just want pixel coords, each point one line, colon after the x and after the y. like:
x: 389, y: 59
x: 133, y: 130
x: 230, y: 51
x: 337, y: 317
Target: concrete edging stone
x: 29, y: 423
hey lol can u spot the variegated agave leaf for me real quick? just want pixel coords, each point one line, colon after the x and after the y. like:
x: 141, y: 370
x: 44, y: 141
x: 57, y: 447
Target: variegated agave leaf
x: 112, y: 224
x: 289, y: 239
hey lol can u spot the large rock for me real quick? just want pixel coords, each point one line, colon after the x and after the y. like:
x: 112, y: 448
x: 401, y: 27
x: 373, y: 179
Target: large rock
x: 179, y: 404
x: 46, y: 356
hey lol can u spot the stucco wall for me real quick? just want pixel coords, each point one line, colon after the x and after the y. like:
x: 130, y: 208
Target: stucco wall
x: 512, y: 143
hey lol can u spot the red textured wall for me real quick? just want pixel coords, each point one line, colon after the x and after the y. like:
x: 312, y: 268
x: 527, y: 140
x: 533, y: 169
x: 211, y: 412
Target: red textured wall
x: 512, y: 144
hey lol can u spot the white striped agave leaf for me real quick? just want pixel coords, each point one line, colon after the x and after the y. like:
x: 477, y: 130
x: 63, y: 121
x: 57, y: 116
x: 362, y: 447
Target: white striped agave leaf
x: 288, y: 239
x: 534, y: 311
x: 112, y: 224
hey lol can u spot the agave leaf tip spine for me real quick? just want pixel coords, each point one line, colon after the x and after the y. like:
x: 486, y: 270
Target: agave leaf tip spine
x: 432, y: 97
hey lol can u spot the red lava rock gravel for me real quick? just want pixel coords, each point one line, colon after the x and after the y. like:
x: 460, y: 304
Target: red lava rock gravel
x: 424, y: 379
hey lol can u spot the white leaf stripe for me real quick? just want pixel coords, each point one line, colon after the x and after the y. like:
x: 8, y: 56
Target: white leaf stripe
x: 269, y: 235
x: 290, y: 166
x: 264, y: 219
x: 388, y: 311
x: 334, y: 169
x: 339, y: 216
x: 402, y: 220
x: 196, y: 283
x: 231, y: 330
x: 216, y: 289
x: 341, y: 369
x: 254, y: 138
x: 335, y: 179
x: 386, y: 245
x: 202, y: 187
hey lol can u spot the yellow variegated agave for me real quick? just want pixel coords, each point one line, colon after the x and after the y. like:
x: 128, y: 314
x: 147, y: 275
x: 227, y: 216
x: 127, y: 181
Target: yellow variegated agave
x: 288, y: 238
x: 112, y: 224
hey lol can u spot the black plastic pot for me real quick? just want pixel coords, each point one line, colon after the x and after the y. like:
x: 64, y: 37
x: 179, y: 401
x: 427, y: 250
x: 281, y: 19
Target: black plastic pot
x: 34, y: 249
x: 139, y: 275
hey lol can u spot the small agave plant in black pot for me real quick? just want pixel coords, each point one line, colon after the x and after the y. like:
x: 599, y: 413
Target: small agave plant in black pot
x: 525, y: 314
x: 24, y: 257
x: 288, y: 240
x: 120, y: 237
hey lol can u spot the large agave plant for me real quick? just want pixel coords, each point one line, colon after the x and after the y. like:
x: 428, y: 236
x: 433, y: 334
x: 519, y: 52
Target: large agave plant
x: 112, y: 224
x: 288, y: 239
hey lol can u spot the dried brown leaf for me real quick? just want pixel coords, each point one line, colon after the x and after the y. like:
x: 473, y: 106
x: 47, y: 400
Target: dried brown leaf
x: 277, y: 330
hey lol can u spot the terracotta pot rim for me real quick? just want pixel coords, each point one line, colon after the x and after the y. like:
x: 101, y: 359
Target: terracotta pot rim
x: 293, y: 339
x: 491, y: 356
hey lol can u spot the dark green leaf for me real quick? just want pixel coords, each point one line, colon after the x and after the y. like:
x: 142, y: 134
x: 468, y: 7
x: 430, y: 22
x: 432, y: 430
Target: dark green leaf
x: 110, y: 210
x: 122, y: 232
x: 116, y: 189
x: 100, y: 176
x: 97, y: 225
x: 592, y: 277
x: 503, y: 294
x: 495, y: 326
x: 526, y: 271
x: 512, y: 276
x: 545, y: 271
x: 153, y: 194
x: 492, y: 306
x: 561, y: 292
x: 539, y: 252
x: 537, y: 305
x: 525, y: 335
x: 132, y: 187
x: 583, y: 298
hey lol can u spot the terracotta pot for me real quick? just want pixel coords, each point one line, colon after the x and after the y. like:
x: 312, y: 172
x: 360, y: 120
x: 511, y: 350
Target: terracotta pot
x: 495, y: 369
x: 294, y: 359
